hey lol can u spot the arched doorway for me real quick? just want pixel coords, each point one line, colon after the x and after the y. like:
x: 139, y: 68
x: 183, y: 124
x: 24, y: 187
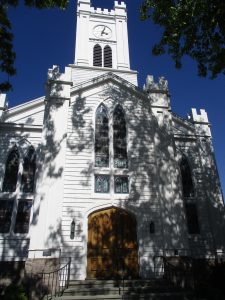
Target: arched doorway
x: 112, y: 244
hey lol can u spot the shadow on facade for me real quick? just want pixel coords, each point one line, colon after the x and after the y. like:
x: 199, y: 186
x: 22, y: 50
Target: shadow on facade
x: 155, y: 191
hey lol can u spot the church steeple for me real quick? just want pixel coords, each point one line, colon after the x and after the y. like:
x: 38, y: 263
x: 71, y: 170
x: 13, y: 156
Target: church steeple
x: 101, y: 37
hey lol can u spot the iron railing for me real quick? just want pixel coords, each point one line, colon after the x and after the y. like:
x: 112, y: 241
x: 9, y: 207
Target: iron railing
x: 186, y: 272
x: 50, y: 284
x: 181, y: 276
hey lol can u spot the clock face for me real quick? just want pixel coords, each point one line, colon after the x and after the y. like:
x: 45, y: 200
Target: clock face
x: 102, y: 31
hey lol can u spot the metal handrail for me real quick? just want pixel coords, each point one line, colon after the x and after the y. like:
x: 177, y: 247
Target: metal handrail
x: 53, y: 283
x: 180, y: 277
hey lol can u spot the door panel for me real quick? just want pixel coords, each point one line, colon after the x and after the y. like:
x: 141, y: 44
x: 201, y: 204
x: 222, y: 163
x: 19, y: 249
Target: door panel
x: 112, y: 244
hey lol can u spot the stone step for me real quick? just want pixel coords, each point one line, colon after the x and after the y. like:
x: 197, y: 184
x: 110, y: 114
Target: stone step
x: 155, y: 289
x: 117, y: 283
x: 114, y: 290
x: 150, y: 296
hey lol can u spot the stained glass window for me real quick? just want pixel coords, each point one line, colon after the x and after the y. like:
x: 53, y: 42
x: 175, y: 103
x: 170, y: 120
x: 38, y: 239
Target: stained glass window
x: 6, y: 209
x: 101, y: 137
x: 121, y: 185
x: 23, y: 217
x: 97, y: 56
x: 107, y: 57
x: 11, y: 171
x: 119, y: 138
x: 29, y: 167
x: 192, y: 218
x: 187, y: 183
x: 101, y: 183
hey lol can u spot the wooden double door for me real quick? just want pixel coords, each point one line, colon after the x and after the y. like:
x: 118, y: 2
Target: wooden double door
x: 112, y: 245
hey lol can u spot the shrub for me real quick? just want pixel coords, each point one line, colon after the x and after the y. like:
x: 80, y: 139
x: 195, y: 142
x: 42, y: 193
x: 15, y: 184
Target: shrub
x: 15, y: 293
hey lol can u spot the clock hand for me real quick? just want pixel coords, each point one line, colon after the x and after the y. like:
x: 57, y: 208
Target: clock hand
x: 103, y: 31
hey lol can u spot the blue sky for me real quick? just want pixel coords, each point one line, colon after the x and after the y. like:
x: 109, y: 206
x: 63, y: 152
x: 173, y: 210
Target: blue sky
x: 47, y: 37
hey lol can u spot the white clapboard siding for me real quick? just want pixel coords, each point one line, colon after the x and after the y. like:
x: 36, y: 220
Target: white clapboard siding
x: 82, y: 75
x: 13, y: 249
x: 79, y: 165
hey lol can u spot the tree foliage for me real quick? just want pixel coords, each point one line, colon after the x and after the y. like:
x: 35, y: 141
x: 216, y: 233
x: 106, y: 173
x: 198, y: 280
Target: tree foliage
x: 190, y: 27
x: 7, y: 54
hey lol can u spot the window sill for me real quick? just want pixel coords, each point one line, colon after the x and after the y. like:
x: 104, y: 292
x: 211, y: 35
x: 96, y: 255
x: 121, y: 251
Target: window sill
x: 7, y: 195
x: 108, y: 196
x: 14, y: 236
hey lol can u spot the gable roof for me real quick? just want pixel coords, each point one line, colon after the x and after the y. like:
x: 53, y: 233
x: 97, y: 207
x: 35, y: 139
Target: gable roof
x: 105, y: 78
x: 31, y: 112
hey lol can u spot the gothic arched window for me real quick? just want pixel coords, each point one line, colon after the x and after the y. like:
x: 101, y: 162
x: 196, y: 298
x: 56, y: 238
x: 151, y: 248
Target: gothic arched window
x: 101, y: 184
x: 119, y: 138
x: 97, y: 56
x: 107, y: 57
x: 11, y: 171
x: 101, y: 137
x: 186, y: 177
x: 29, y: 167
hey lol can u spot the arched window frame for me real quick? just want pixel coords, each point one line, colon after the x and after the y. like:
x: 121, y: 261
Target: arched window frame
x: 107, y: 57
x: 97, y: 56
x: 18, y: 207
x: 123, y: 164
x: 101, y: 159
x: 28, y: 181
x: 111, y: 170
x: 190, y: 205
x: 192, y: 194
x: 5, y: 179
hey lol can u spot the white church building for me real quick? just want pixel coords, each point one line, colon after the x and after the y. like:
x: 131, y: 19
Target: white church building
x: 102, y: 170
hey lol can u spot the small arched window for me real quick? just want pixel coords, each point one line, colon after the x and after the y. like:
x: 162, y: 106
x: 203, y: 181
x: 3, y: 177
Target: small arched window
x: 107, y: 57
x: 11, y: 171
x: 186, y: 177
x: 29, y: 167
x: 97, y: 56
x: 119, y: 138
x: 101, y: 137
x: 101, y: 184
x: 121, y: 185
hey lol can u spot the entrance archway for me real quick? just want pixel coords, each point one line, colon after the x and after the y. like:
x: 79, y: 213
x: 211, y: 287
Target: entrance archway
x: 112, y: 244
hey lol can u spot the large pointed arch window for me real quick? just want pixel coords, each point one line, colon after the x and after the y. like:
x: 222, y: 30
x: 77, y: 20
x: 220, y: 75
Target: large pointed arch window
x: 186, y: 177
x: 97, y: 56
x: 11, y: 171
x: 107, y: 57
x: 188, y: 194
x: 101, y: 137
x: 119, y: 138
x: 29, y: 167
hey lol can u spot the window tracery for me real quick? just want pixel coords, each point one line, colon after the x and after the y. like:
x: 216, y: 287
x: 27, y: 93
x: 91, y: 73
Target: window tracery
x: 101, y: 183
x: 188, y: 195
x: 15, y: 213
x: 101, y: 137
x: 121, y: 184
x: 23, y: 217
x: 6, y: 209
x: 29, y: 167
x: 119, y: 138
x: 11, y: 171
x: 111, y: 137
